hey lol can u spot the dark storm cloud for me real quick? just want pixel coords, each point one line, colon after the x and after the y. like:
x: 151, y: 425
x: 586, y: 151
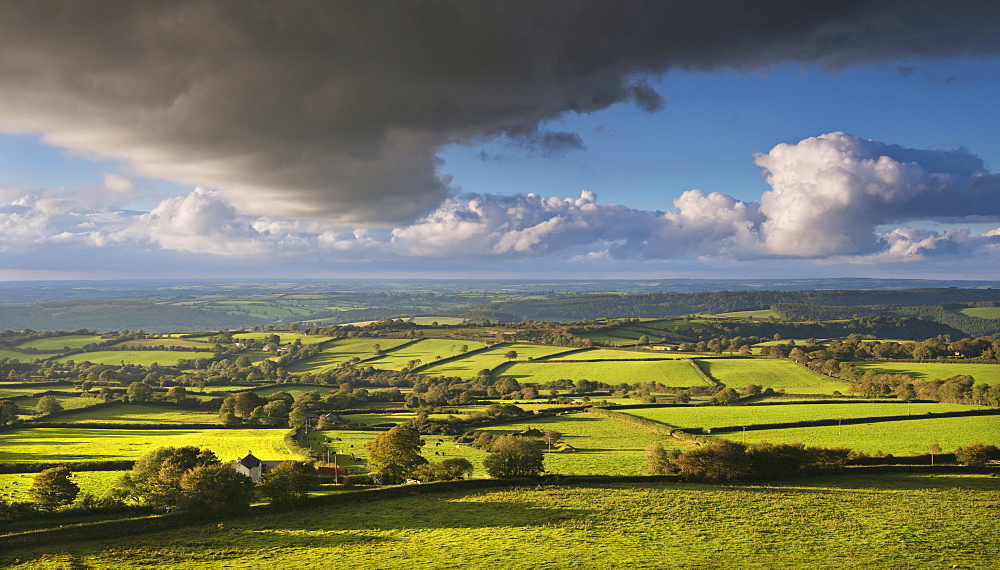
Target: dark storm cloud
x: 337, y: 109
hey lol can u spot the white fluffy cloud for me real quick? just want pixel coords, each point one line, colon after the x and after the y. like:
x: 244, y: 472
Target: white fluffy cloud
x: 834, y: 197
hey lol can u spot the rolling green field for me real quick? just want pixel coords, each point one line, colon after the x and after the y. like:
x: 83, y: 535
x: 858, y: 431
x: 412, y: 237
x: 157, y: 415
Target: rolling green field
x: 79, y: 444
x: 909, y: 437
x: 717, y: 416
x: 341, y: 351
x: 775, y: 374
x: 471, y: 365
x: 67, y: 402
x: 438, y: 320
x: 427, y: 351
x: 611, y: 354
x: 143, y: 357
x: 15, y: 355
x: 674, y: 373
x: 285, y: 337
x: 167, y: 342
x: 758, y: 314
x: 982, y: 312
x: 58, y: 343
x: 96, y: 483
x: 881, y: 521
x: 139, y: 414
x: 604, y: 446
x: 986, y: 373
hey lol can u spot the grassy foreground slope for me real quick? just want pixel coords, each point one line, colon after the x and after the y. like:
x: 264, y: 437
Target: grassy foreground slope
x: 884, y: 521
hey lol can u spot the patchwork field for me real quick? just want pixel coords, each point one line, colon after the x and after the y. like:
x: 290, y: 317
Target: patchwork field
x: 982, y: 312
x: 471, y: 365
x: 58, y: 343
x: 985, y: 373
x: 285, y: 337
x: 15, y: 485
x: 885, y: 521
x: 776, y: 374
x: 611, y: 354
x: 166, y: 342
x: 15, y: 355
x: 78, y: 444
x: 673, y: 373
x: 718, y: 416
x: 139, y: 414
x: 343, y: 350
x: 910, y: 437
x: 426, y: 351
x: 143, y: 357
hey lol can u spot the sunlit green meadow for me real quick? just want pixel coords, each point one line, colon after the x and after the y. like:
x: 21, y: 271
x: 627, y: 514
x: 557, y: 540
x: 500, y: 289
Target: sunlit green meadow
x: 886, y: 521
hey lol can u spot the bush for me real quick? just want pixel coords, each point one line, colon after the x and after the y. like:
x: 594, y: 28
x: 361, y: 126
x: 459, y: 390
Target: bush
x: 513, y: 456
x: 447, y: 470
x: 977, y: 454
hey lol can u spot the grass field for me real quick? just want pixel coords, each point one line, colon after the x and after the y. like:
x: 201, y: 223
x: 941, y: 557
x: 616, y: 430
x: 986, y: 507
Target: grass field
x: 67, y: 402
x: 58, y: 343
x: 167, y: 342
x: 674, y: 373
x: 758, y: 314
x: 96, y: 483
x: 143, y: 357
x: 341, y: 351
x: 77, y: 444
x: 986, y: 373
x: 139, y: 414
x: 880, y: 521
x: 611, y: 354
x: 286, y: 337
x: 604, y: 446
x: 426, y: 321
x: 982, y: 312
x: 910, y: 437
x: 14, y: 355
x: 471, y: 365
x: 717, y: 416
x: 775, y: 374
x: 427, y: 351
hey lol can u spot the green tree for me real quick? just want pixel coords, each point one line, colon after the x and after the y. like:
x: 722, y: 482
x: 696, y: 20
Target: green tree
x: 393, y: 455
x: 8, y: 412
x: 177, y: 394
x: 155, y: 477
x: 510, y: 354
x: 289, y: 482
x: 215, y: 488
x: 139, y: 392
x: 513, y: 456
x: 551, y: 437
x: 52, y: 488
x: 726, y: 396
x: 48, y: 405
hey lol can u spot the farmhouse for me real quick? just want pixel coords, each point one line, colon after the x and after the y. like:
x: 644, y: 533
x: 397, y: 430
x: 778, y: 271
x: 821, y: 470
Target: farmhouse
x: 252, y: 467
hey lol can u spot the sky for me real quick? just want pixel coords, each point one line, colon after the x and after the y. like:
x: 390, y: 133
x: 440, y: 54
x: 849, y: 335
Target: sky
x: 521, y: 139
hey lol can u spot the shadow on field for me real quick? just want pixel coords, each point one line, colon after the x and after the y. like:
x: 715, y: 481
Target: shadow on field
x: 426, y: 513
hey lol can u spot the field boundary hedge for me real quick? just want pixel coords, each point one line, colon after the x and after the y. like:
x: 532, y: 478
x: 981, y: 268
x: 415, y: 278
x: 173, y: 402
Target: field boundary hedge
x: 8, y: 467
x: 839, y: 421
x: 704, y: 375
x: 386, y: 352
x: 563, y: 353
x: 642, y: 423
x: 422, y: 367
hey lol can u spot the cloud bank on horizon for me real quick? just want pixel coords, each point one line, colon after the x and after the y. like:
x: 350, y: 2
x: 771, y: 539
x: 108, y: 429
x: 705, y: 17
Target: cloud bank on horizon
x: 835, y: 196
x: 313, y: 128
